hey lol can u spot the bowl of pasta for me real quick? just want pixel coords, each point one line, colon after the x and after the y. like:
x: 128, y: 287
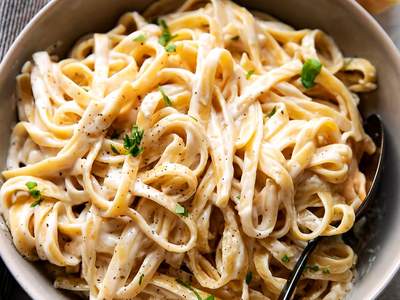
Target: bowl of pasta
x: 191, y: 149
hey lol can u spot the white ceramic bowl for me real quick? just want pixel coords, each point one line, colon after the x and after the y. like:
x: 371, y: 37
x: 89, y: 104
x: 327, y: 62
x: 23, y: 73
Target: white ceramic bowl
x: 355, y: 32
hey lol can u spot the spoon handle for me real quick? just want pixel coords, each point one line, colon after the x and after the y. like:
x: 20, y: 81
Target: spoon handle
x: 291, y: 283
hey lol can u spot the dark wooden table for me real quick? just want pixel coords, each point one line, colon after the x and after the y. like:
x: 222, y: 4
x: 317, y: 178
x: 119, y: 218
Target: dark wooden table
x: 14, y: 15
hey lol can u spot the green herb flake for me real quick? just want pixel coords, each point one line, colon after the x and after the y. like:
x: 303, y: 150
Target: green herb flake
x: 36, y: 203
x: 114, y: 149
x: 166, y: 36
x: 249, y: 73
x: 35, y: 193
x: 31, y: 185
x: 210, y: 297
x: 140, y: 38
x: 326, y: 271
x: 249, y: 277
x: 235, y: 38
x: 188, y: 286
x: 181, y: 210
x: 311, y: 68
x: 272, y: 112
x: 163, y: 25
x: 132, y: 142
x: 285, y: 259
x: 170, y: 48
x: 141, y: 279
x: 313, y: 268
x: 165, y: 97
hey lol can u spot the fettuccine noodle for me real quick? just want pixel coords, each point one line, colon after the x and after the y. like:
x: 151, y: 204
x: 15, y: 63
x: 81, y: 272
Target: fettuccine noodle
x: 187, y: 160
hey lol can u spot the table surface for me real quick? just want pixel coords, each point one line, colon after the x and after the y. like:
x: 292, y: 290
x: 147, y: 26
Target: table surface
x: 15, y: 14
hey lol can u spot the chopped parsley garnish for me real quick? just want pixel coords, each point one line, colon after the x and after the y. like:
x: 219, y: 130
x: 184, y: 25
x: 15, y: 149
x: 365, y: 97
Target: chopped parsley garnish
x: 235, y: 38
x: 285, y: 259
x: 170, y: 48
x: 249, y: 277
x: 272, y: 112
x: 210, y: 297
x: 132, y: 141
x: 36, y: 202
x: 31, y: 185
x: 165, y: 97
x: 188, y: 286
x: 313, y: 268
x: 181, y: 210
x: 249, y: 73
x: 140, y: 38
x: 114, y: 149
x: 309, y: 72
x: 35, y: 193
x: 141, y: 279
x: 326, y: 271
x: 166, y: 36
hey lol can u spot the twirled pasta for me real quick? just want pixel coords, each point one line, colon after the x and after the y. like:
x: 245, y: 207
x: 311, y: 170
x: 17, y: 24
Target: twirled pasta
x: 241, y: 164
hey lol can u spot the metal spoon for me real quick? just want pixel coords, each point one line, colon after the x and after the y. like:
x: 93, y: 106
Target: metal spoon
x: 373, y: 165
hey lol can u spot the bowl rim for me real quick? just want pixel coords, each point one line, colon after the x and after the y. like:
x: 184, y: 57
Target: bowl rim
x: 5, y: 255
x: 354, y: 7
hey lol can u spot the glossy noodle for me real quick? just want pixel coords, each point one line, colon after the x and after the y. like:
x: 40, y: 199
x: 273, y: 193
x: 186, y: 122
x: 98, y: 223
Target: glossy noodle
x: 187, y: 159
